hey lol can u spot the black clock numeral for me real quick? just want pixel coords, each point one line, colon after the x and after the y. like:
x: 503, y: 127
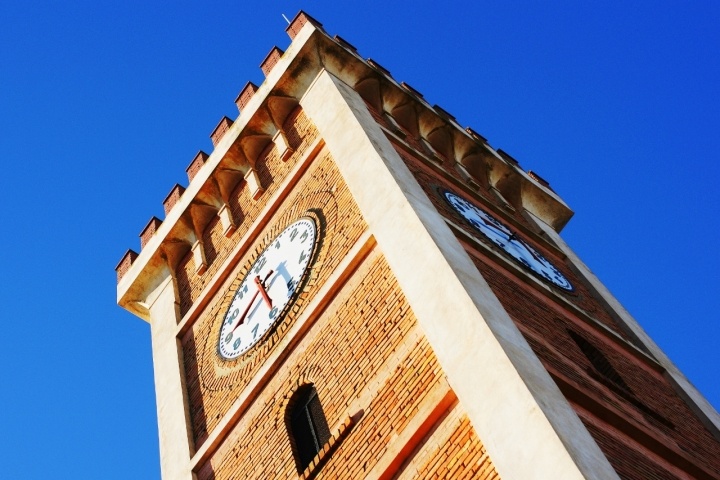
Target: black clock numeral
x: 233, y: 316
x: 237, y: 343
x: 228, y: 337
x: 497, y: 242
x: 291, y: 284
x: 304, y: 236
x: 241, y: 293
x: 273, y: 313
x: 477, y: 223
x: 293, y: 234
x: 254, y: 330
x: 302, y: 257
x: 260, y: 264
x: 277, y: 244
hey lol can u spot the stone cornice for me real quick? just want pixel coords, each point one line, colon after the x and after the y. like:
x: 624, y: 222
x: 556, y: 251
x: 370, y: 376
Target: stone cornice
x: 263, y: 110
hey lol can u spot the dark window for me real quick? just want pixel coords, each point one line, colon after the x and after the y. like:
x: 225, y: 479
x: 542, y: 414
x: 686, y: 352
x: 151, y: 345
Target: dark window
x: 600, y: 363
x: 603, y: 371
x: 308, y: 428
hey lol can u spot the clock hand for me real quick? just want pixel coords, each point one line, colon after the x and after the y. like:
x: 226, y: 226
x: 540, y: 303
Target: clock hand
x: 532, y: 252
x: 244, y: 314
x: 261, y: 289
x: 494, y: 227
x: 526, y: 247
x: 509, y: 239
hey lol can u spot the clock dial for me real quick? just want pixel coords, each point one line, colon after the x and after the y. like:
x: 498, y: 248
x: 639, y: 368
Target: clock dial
x: 268, y: 289
x: 506, y: 239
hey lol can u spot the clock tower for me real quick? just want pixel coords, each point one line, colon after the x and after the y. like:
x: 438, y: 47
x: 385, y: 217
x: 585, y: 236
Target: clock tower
x: 352, y: 285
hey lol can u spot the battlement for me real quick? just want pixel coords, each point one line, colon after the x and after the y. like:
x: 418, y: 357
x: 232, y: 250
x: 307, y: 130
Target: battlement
x: 263, y: 109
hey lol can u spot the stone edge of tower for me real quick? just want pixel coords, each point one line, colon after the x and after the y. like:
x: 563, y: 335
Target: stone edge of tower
x: 310, y: 51
x: 288, y: 78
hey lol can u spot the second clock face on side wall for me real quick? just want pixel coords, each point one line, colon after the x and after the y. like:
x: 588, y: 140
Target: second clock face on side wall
x: 268, y: 288
x: 507, y: 240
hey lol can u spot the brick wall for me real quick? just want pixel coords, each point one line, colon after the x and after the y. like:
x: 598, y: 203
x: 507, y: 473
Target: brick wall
x: 647, y: 417
x: 452, y: 450
x: 213, y: 384
x: 432, y: 181
x: 630, y: 463
x: 364, y: 353
x: 367, y: 353
x: 649, y: 413
x: 271, y: 170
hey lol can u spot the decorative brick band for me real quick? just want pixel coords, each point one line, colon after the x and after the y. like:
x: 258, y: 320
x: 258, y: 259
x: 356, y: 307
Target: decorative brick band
x: 475, y: 135
x: 444, y: 113
x: 149, y: 231
x: 173, y: 198
x: 345, y: 43
x: 125, y: 263
x: 245, y: 95
x: 196, y: 165
x: 538, y: 178
x: 298, y: 22
x: 411, y: 90
x: 272, y: 58
x: 378, y: 67
x: 507, y: 157
x: 222, y: 127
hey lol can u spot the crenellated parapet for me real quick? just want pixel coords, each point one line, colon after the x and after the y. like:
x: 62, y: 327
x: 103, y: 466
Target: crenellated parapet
x: 261, y: 125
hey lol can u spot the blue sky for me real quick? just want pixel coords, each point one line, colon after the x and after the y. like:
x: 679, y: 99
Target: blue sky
x: 103, y: 105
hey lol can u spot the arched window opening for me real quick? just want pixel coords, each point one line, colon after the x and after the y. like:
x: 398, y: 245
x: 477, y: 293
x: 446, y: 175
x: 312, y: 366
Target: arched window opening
x: 605, y: 372
x: 308, y: 427
x: 600, y: 363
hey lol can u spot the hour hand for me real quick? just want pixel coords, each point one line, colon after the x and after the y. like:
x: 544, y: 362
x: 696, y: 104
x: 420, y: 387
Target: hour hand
x: 261, y: 288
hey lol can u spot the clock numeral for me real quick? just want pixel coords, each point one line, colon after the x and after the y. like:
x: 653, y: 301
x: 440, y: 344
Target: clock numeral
x: 260, y: 264
x: 241, y: 293
x: 258, y: 302
x: 291, y: 284
x: 477, y: 223
x: 233, y: 316
x: 499, y: 225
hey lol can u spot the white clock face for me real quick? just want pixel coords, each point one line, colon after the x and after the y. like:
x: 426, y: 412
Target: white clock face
x: 506, y: 239
x: 268, y: 288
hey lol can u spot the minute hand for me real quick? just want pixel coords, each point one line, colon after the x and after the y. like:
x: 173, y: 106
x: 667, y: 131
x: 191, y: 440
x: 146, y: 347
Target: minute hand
x: 261, y: 290
x: 525, y: 247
